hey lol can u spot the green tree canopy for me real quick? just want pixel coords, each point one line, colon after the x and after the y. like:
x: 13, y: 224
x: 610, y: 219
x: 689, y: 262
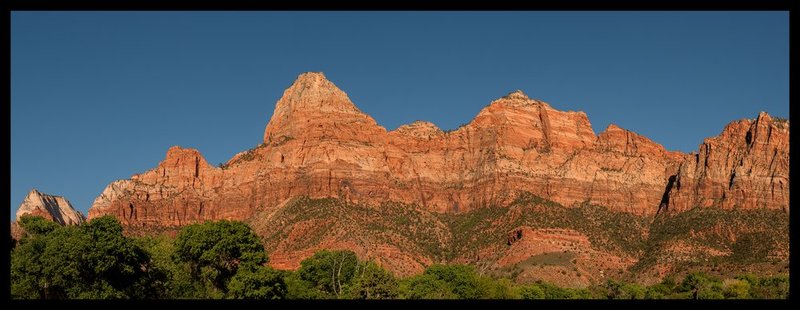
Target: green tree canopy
x: 701, y: 286
x: 374, y: 282
x: 462, y: 279
x: 426, y: 286
x: 257, y: 283
x: 216, y: 250
x: 90, y: 261
x: 37, y: 225
x: 329, y: 272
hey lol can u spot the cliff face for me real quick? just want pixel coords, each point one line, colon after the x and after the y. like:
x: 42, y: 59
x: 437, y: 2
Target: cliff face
x: 747, y: 166
x: 318, y: 144
x: 55, y: 208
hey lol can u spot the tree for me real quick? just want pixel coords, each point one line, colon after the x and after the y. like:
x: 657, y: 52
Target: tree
x: 373, y: 282
x: 736, y: 289
x: 37, y: 225
x: 176, y: 281
x: 426, y: 286
x: 216, y: 250
x: 462, y: 279
x: 622, y: 290
x: 297, y: 288
x: 27, y: 277
x: 329, y: 272
x: 502, y: 288
x: 768, y: 288
x: 257, y: 283
x: 701, y: 286
x: 532, y: 292
x: 90, y: 261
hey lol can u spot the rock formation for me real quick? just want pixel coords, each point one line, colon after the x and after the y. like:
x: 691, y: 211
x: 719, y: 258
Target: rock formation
x: 747, y: 166
x: 54, y: 208
x: 318, y: 144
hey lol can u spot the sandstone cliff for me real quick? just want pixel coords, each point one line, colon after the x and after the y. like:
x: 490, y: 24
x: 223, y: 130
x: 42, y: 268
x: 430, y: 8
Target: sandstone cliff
x: 403, y: 196
x: 55, y: 208
x: 318, y: 144
x: 747, y: 166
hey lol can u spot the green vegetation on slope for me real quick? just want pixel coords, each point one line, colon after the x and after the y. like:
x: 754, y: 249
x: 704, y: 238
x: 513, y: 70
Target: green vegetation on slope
x: 746, y: 237
x: 406, y: 226
x: 224, y: 260
x: 613, y: 231
x: 228, y: 260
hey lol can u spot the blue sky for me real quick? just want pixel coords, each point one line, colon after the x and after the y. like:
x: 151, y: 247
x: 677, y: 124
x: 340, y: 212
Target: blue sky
x: 100, y: 96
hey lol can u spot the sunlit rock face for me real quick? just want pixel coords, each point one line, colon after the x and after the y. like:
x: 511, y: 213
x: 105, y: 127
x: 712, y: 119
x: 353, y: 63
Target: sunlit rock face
x: 319, y: 144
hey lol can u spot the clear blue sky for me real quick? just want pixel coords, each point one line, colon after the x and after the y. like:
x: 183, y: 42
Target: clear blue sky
x: 100, y: 96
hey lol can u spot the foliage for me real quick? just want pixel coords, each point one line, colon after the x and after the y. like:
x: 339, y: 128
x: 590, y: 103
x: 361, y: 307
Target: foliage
x: 701, y: 286
x: 37, y: 225
x: 297, y: 288
x: 340, y: 274
x: 426, y: 286
x: 462, y: 279
x: 216, y: 250
x: 92, y: 261
x: 374, y: 282
x: 614, y: 231
x: 622, y: 290
x: 178, y: 282
x: 531, y: 292
x: 226, y: 260
x: 329, y: 272
x: 257, y: 282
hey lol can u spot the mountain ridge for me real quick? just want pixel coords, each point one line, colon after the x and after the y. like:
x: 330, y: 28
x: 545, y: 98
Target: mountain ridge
x: 328, y: 176
x: 335, y: 150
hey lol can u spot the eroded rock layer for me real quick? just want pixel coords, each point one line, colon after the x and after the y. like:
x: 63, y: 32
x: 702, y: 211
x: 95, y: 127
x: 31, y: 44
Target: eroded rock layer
x: 319, y: 144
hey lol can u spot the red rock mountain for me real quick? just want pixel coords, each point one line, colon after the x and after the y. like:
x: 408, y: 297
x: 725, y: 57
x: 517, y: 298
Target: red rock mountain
x: 55, y: 208
x: 747, y: 166
x: 319, y: 144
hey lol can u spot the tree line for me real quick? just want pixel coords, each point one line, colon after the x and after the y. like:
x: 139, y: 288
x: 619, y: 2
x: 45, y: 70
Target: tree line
x: 225, y: 259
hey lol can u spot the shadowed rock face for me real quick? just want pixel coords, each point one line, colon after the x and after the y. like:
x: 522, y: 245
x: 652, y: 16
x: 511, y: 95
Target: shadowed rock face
x: 318, y: 144
x: 54, y: 208
x: 747, y: 166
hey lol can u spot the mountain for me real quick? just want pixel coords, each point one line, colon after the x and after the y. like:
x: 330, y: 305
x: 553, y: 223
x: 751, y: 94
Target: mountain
x: 55, y: 208
x: 326, y: 175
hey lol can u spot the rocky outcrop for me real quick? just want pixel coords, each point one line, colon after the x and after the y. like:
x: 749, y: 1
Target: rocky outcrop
x: 746, y: 166
x: 55, y: 208
x: 318, y: 144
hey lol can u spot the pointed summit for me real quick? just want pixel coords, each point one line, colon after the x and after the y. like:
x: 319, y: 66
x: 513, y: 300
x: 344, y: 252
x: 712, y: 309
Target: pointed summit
x: 51, y: 207
x: 518, y: 98
x: 311, y: 98
x: 312, y: 91
x: 613, y: 127
x: 517, y: 94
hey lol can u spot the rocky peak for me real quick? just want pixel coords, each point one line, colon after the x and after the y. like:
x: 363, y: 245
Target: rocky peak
x: 517, y: 94
x: 55, y: 208
x: 517, y: 98
x: 750, y: 131
x: 184, y: 157
x: 314, y: 107
x: 746, y: 166
x: 313, y: 91
x: 180, y: 166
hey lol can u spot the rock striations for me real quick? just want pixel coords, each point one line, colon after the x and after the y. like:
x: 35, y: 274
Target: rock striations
x: 747, y: 166
x: 55, y: 208
x: 319, y: 144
